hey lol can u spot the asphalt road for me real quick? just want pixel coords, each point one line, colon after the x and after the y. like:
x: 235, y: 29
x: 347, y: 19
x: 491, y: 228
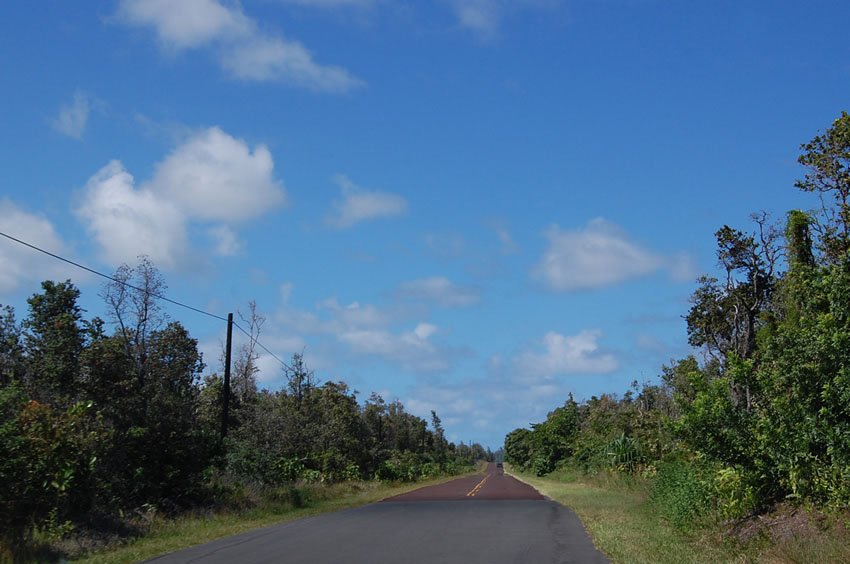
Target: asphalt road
x: 491, y: 518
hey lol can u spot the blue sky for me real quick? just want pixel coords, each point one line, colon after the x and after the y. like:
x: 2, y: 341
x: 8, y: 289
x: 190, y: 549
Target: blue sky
x: 475, y: 206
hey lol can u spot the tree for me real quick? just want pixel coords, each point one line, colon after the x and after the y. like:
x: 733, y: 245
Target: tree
x: 518, y: 447
x: 827, y: 160
x: 725, y: 316
x: 11, y: 347
x: 439, y: 438
x: 133, y: 301
x: 244, y: 381
x: 55, y: 336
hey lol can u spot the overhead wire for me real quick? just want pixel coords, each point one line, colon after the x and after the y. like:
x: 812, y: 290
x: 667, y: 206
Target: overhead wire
x: 254, y: 340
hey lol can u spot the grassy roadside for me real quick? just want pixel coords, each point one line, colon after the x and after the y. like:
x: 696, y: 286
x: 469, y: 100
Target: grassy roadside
x: 624, y: 525
x: 629, y: 529
x: 169, y: 535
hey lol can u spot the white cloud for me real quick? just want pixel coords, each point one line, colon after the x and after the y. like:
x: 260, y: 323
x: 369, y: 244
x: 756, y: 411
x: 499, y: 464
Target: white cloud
x: 561, y: 354
x: 128, y: 222
x: 598, y: 255
x: 185, y: 24
x: 273, y: 58
x: 244, y: 50
x: 22, y: 264
x: 214, y: 176
x: 480, y: 16
x: 513, y: 393
x: 366, y: 331
x: 227, y: 244
x: 440, y: 290
x: 74, y: 117
x: 354, y: 315
x: 413, y: 350
x: 358, y: 205
x: 210, y: 177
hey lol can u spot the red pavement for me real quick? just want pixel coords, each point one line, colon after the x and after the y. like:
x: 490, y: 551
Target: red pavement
x: 494, y: 484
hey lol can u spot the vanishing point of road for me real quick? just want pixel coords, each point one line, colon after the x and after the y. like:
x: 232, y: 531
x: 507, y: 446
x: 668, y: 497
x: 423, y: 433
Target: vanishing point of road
x: 490, y: 518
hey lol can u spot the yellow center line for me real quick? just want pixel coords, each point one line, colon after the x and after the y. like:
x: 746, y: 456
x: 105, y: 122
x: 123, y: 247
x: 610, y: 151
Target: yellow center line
x: 477, y: 487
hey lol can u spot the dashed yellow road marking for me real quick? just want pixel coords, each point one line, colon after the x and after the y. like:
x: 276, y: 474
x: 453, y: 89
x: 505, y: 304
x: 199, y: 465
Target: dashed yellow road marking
x: 477, y: 487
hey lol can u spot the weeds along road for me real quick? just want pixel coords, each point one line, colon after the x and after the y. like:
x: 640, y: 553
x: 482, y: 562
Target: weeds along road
x: 489, y: 518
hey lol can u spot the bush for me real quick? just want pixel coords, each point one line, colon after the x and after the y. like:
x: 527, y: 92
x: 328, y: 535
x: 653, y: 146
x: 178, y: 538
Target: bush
x: 624, y: 454
x: 736, y: 498
x: 683, y: 492
x: 49, y: 456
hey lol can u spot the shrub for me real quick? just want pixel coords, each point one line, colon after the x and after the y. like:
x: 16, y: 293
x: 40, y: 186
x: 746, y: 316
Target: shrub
x: 624, y: 453
x: 736, y: 498
x: 683, y: 492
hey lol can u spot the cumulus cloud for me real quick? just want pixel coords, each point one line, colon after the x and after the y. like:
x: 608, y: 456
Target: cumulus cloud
x: 413, y: 350
x: 212, y: 177
x: 185, y: 24
x: 492, y: 406
x: 600, y: 254
x: 74, y: 116
x: 227, y: 244
x: 440, y: 290
x: 127, y: 221
x: 354, y: 314
x: 244, y: 51
x: 367, y: 331
x: 22, y: 264
x: 273, y: 58
x: 357, y: 204
x: 564, y: 354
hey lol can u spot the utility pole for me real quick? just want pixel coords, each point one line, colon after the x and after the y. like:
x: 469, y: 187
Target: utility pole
x: 225, y: 391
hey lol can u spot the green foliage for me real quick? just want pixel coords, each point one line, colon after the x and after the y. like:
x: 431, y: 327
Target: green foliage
x: 736, y: 498
x: 97, y: 426
x: 54, y: 337
x: 764, y: 419
x: 518, y: 447
x: 827, y: 159
x: 683, y: 493
x: 50, y: 459
x: 624, y: 454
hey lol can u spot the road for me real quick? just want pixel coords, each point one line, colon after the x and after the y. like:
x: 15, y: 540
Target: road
x: 490, y: 518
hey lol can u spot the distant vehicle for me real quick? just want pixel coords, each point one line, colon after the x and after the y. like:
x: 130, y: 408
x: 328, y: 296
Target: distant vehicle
x: 499, y: 465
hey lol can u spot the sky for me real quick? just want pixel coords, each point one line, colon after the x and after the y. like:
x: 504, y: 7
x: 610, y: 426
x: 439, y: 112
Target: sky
x: 473, y: 206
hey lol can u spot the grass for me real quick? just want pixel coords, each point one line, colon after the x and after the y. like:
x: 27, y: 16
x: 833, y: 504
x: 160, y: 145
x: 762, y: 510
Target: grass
x: 629, y: 529
x: 169, y: 535
x: 623, y: 524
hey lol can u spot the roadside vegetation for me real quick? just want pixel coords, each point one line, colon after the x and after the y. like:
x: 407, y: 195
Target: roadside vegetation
x: 108, y: 432
x: 163, y: 534
x: 748, y: 446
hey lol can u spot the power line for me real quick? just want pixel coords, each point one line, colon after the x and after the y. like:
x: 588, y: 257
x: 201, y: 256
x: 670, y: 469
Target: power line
x: 147, y: 292
x: 108, y: 277
x: 262, y: 346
